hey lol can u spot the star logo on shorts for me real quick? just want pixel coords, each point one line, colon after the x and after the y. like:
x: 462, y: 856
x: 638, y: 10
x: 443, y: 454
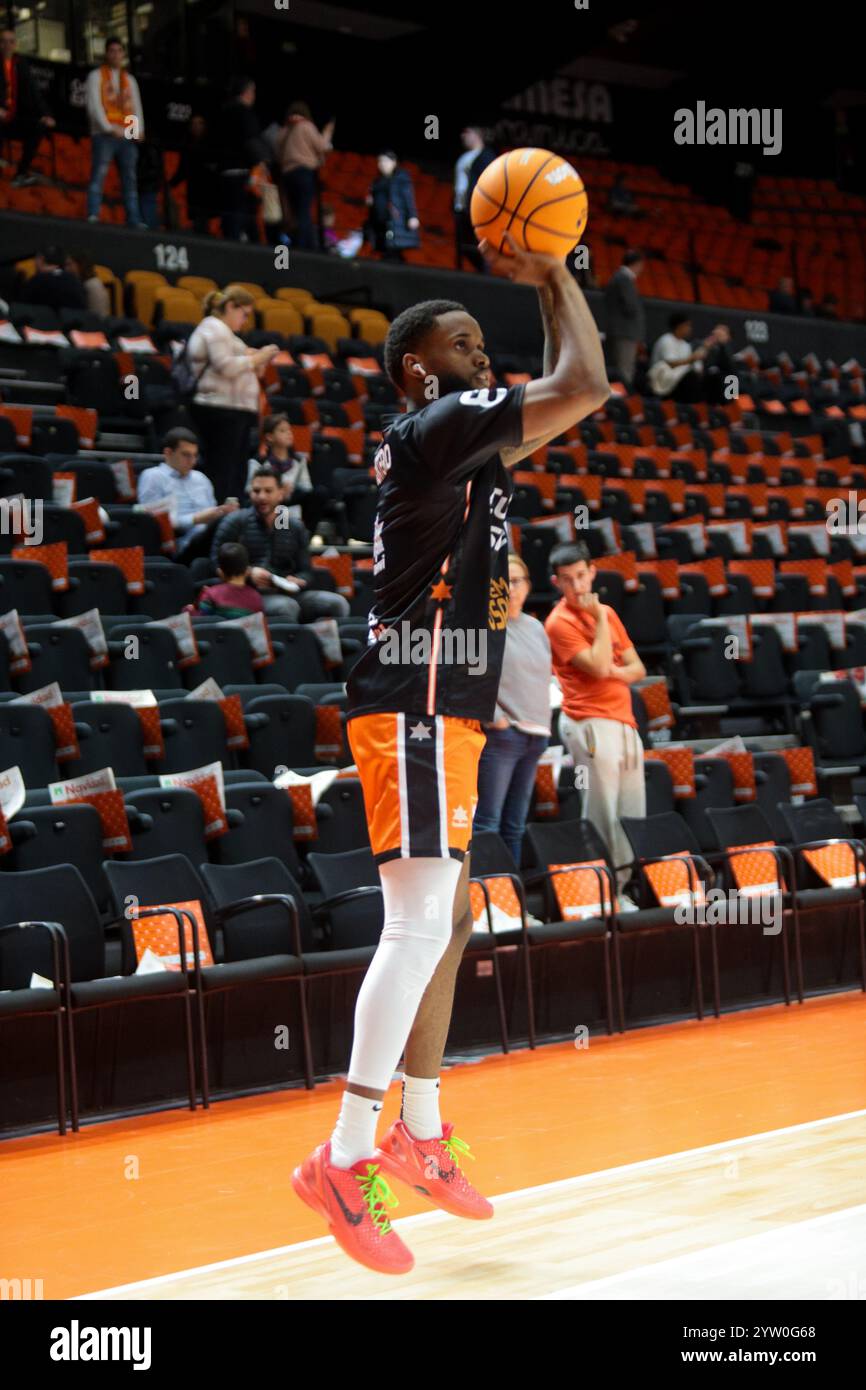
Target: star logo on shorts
x: 440, y: 591
x: 420, y: 731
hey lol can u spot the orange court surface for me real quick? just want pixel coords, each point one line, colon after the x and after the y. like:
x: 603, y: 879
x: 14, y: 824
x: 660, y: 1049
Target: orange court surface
x: 678, y: 1161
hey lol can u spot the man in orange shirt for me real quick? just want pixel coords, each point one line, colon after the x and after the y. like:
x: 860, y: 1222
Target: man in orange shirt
x: 595, y: 663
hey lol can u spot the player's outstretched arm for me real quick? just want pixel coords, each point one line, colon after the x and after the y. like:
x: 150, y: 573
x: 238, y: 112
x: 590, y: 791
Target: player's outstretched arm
x: 575, y: 383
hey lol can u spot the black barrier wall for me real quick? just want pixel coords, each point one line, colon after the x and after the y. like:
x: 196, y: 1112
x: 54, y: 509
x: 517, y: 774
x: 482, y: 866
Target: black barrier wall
x: 508, y: 313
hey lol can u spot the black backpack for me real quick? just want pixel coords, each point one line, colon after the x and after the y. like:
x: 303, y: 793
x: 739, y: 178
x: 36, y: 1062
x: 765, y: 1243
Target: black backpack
x: 183, y: 377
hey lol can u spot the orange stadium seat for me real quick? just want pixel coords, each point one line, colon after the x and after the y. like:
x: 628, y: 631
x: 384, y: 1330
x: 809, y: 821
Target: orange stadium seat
x: 295, y: 295
x: 199, y: 285
x: 178, y: 306
x: 141, y: 288
x: 114, y: 287
x: 277, y: 316
x: 329, y: 325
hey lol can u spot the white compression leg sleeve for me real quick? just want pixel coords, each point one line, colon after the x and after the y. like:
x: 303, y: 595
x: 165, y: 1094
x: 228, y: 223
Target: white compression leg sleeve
x: 419, y: 902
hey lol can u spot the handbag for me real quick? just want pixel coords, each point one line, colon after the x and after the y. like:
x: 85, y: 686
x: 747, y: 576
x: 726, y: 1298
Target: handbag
x: 183, y: 376
x: 272, y: 208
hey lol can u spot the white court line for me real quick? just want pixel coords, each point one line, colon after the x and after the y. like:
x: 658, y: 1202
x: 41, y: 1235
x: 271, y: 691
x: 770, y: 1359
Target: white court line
x: 726, y: 1256
x: 424, y: 1218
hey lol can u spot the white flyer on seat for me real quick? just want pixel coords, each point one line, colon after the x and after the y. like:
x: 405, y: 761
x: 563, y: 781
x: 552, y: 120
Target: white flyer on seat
x: 12, y: 792
x: 318, y: 783
x: 139, y: 699
x: 90, y: 784
x: 50, y: 696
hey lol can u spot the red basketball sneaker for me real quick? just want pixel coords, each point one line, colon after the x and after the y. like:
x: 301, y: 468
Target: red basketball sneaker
x: 354, y: 1203
x: 432, y: 1167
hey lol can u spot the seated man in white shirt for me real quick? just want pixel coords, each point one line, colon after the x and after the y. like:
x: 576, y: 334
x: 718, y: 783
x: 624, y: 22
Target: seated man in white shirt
x: 187, y: 493
x: 675, y: 367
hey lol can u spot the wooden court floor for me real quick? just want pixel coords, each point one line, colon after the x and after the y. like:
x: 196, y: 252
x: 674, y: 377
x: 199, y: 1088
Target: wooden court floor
x: 690, y: 1154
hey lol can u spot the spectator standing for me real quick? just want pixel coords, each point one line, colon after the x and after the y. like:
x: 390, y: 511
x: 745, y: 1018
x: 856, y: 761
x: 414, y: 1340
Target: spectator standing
x: 621, y: 199
x: 197, y: 168
x: 151, y: 179
x: 301, y: 150
x: 23, y: 113
x: 806, y: 308
x: 235, y: 597
x: 116, y: 126
x: 96, y: 297
x: 520, y: 730
x: 782, y: 298
x: 393, y: 220
x: 188, y: 493
x: 52, y: 284
x: 595, y: 664
x: 277, y: 547
x: 626, y: 320
x: 241, y: 147
x: 475, y: 158
x: 226, y: 399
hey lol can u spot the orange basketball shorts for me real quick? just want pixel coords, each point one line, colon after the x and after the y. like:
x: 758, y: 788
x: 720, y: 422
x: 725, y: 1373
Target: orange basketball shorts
x: 419, y: 775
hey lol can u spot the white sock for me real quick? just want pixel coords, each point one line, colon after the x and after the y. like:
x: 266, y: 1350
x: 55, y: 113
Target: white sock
x: 420, y: 1109
x: 354, y: 1135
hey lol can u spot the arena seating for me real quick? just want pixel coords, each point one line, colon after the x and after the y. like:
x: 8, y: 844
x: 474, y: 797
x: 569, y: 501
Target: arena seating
x: 708, y: 524
x: 696, y: 251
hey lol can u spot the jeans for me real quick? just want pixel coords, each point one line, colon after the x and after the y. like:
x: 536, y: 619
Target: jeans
x: 105, y: 149
x: 306, y: 607
x: 238, y: 208
x: 29, y: 132
x: 506, y: 776
x: 300, y: 186
x: 149, y: 204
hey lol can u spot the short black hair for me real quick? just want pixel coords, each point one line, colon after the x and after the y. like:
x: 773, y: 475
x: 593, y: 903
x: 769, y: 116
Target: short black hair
x: 270, y: 422
x: 53, y: 255
x: 178, y: 435
x: 409, y: 330
x: 677, y: 320
x: 570, y: 553
x: 632, y: 257
x: 233, y: 559
x: 114, y: 38
x: 267, y: 471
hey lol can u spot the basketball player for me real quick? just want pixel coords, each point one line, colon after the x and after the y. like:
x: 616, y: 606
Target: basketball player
x: 417, y: 700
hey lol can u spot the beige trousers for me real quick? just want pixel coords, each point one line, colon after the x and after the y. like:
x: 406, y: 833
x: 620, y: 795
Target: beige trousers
x: 608, y: 770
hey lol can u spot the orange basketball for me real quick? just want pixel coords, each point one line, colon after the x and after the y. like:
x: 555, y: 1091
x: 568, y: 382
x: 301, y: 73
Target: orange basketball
x: 534, y: 195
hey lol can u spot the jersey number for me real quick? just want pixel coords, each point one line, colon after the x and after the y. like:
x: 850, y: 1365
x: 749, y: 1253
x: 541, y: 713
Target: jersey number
x: 482, y: 398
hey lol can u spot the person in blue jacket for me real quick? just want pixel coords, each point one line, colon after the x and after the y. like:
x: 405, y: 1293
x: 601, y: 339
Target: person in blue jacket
x: 392, y: 221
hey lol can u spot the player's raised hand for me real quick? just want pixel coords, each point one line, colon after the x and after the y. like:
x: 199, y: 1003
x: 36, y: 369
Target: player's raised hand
x: 523, y: 267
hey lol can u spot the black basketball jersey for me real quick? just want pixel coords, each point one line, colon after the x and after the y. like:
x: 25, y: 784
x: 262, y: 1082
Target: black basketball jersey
x: 440, y: 559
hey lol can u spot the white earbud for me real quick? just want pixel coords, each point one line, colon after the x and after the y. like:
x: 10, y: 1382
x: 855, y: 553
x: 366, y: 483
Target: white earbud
x: 419, y: 370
